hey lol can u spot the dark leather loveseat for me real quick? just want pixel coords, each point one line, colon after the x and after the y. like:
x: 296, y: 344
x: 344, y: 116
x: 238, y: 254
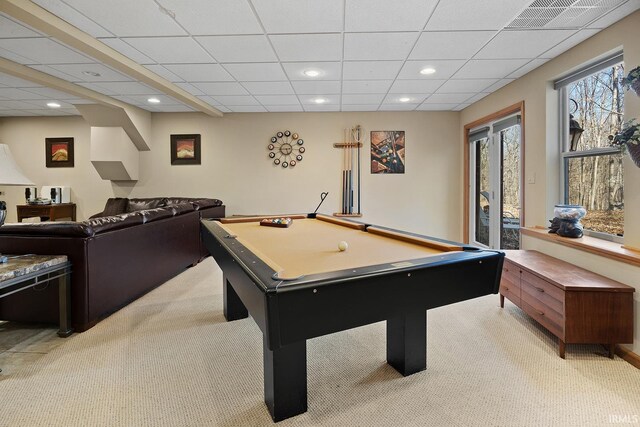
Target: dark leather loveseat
x: 130, y: 248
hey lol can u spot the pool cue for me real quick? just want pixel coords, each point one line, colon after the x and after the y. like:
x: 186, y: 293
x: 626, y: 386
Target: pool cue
x: 344, y: 180
x: 358, y: 137
x: 351, y: 171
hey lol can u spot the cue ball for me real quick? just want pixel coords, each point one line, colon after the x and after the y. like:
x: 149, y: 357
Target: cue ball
x: 343, y: 246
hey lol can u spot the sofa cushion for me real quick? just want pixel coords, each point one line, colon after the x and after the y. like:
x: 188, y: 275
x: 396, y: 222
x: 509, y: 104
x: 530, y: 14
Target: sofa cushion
x: 180, y: 208
x: 205, y: 203
x: 149, y: 203
x: 49, y: 228
x: 115, y: 222
x: 149, y: 215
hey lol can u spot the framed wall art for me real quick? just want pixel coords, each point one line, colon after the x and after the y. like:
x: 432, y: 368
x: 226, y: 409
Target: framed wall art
x: 387, y: 151
x: 59, y: 152
x: 185, y: 149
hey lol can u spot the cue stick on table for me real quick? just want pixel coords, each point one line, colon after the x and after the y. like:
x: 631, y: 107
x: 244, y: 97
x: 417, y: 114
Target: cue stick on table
x: 358, y: 139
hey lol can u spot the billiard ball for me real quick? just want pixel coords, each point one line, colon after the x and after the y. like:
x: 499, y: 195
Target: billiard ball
x: 343, y: 246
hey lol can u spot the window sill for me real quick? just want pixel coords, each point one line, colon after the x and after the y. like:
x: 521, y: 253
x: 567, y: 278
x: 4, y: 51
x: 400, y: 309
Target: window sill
x: 594, y: 245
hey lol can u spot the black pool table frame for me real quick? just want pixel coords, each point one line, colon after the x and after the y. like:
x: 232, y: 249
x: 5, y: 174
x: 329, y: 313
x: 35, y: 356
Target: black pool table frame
x: 290, y: 312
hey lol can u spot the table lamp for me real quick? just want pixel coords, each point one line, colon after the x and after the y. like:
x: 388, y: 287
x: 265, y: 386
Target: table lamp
x: 10, y: 174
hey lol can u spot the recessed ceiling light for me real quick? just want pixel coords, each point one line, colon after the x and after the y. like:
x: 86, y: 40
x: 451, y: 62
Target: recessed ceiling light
x: 404, y: 99
x: 319, y: 100
x: 153, y: 101
x: 91, y: 73
x: 427, y: 71
x: 311, y: 73
x: 53, y: 105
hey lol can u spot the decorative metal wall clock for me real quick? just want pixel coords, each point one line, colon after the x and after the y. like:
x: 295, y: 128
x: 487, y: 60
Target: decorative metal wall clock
x: 286, y: 149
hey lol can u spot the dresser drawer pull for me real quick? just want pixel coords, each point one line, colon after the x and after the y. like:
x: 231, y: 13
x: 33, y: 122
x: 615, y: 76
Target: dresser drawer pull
x: 539, y: 289
x: 506, y: 289
x: 541, y: 313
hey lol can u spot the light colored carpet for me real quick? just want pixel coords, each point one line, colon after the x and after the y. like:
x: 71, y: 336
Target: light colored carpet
x: 171, y: 359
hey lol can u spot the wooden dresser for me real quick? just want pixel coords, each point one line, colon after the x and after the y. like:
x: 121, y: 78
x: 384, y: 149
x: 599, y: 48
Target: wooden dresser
x: 576, y: 305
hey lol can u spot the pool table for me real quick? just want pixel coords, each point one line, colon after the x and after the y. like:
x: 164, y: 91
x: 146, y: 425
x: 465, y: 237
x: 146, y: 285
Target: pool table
x: 296, y: 285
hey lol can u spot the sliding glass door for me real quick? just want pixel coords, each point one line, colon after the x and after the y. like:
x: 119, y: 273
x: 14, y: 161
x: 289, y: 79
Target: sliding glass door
x: 495, y: 196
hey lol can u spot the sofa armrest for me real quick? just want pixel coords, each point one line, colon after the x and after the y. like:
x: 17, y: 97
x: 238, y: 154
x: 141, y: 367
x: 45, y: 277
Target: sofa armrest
x: 53, y: 228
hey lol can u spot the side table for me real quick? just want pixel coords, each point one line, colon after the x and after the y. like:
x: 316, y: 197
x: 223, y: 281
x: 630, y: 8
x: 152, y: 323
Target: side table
x: 22, y: 272
x: 47, y: 212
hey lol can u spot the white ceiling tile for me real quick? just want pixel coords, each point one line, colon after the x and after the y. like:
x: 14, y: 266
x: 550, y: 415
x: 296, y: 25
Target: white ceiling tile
x: 416, y: 86
x: 7, y: 54
x: 248, y: 109
x: 11, y: 81
x: 81, y: 101
x: 163, y: 72
x: 319, y: 87
x: 362, y: 98
x: 308, y: 47
x: 277, y: 99
x: 259, y: 72
x: 436, y: 107
x: 398, y: 107
x: 53, y: 72
x: 465, y: 86
x: 522, y: 44
x: 384, y: 15
x: 327, y: 70
x: 43, y: 51
x: 450, y: 44
x: 532, y: 65
x: 127, y: 50
x: 378, y: 46
x: 222, y: 88
x: 9, y: 93
x: 567, y: 44
x: 448, y: 98
x: 395, y: 98
x: 209, y: 100
x: 615, y: 15
x: 475, y: 15
x: 72, y: 16
x: 284, y: 108
x: 371, y: 70
x: 170, y: 50
x: 310, y: 100
x: 164, y: 100
x: 77, y: 72
x: 200, y: 72
x: 300, y: 16
x: 497, y: 85
x: 489, y: 68
x: 238, y: 48
x: 11, y: 29
x: 189, y: 88
x: 321, y: 108
x: 360, y: 107
x: 213, y: 17
x: 268, y: 88
x: 97, y: 88
x: 444, y: 69
x: 236, y: 100
x: 15, y: 113
x: 126, y: 18
x: 477, y: 97
x: 173, y: 108
x: 461, y: 107
x: 17, y: 105
x: 46, y: 92
x: 366, y: 86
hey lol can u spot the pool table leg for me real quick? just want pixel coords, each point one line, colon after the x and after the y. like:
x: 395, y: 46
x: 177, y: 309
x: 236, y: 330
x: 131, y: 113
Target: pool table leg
x: 234, y: 309
x: 285, y: 380
x: 407, y: 342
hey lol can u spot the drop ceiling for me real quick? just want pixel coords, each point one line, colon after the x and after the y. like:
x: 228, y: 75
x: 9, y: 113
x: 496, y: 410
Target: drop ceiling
x: 252, y: 55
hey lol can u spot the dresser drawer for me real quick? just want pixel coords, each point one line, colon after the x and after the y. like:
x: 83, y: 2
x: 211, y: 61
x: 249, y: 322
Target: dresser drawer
x: 510, y: 290
x: 551, y: 320
x: 29, y: 212
x: 536, y: 289
x: 511, y: 272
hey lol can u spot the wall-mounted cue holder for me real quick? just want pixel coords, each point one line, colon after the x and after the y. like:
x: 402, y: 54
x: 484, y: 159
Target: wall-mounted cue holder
x: 351, y: 146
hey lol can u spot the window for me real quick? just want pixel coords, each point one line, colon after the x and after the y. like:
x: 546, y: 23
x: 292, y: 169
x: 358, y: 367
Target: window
x: 592, y: 167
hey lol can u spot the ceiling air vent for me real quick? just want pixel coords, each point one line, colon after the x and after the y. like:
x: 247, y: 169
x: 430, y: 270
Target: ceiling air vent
x: 550, y: 14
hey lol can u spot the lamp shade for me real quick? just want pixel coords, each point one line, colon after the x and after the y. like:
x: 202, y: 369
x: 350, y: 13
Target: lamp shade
x: 10, y: 173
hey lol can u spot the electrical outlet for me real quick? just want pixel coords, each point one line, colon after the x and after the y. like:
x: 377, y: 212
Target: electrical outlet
x: 531, y: 179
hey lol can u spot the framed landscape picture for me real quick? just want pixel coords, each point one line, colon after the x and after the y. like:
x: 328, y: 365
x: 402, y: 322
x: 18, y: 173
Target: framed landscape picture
x: 59, y: 152
x: 185, y: 149
x: 387, y: 151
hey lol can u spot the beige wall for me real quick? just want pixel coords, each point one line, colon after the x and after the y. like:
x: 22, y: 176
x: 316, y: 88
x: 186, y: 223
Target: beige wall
x: 542, y: 152
x: 235, y: 167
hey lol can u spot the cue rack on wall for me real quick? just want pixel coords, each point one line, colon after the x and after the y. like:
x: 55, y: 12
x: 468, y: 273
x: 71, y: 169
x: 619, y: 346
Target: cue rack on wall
x: 350, y: 171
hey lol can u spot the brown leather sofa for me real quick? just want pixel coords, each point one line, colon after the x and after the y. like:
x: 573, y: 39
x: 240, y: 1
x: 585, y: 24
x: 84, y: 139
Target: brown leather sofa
x: 130, y: 248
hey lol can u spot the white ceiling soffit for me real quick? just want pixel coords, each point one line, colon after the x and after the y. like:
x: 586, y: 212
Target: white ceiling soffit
x: 256, y: 55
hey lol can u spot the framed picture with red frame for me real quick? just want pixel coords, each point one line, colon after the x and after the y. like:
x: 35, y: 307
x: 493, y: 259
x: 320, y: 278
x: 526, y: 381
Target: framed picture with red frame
x: 185, y: 149
x: 59, y: 152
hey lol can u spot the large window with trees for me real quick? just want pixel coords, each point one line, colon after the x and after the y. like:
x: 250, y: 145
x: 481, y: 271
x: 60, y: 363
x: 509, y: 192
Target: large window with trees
x: 592, y: 106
